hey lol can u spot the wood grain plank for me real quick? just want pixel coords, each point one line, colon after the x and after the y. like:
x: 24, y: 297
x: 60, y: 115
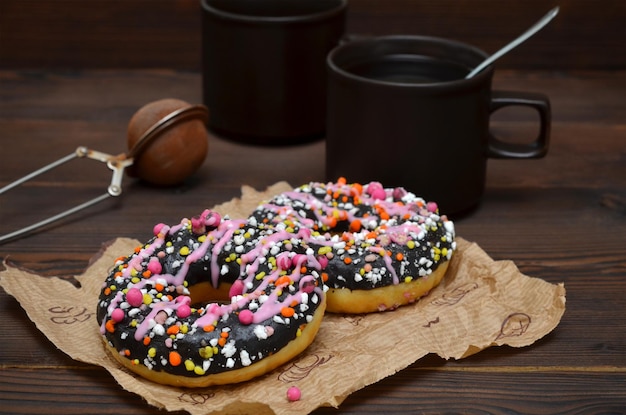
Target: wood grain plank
x: 164, y: 33
x: 415, y: 390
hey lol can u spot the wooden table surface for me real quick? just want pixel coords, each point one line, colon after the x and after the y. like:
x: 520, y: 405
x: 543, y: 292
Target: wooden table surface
x: 561, y: 218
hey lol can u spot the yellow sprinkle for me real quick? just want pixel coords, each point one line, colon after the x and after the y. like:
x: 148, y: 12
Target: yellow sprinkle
x: 168, y: 243
x: 147, y: 299
x: 444, y: 251
x: 184, y: 329
x: 298, y: 333
x: 159, y: 295
x: 133, y: 272
x: 260, y: 275
x: 408, y: 279
x: 136, y: 362
x: 202, y: 238
x: 362, y: 271
x: 189, y: 365
x: 246, y: 235
x: 113, y: 287
x: 238, y: 261
x: 206, y: 352
x: 133, y: 323
x: 152, y: 352
x: 198, y: 371
x: 410, y: 244
x: 436, y: 257
x: 184, y: 251
x: 135, y: 280
x: 324, y: 250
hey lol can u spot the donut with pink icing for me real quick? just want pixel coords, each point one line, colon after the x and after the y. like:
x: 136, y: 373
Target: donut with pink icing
x: 381, y: 248
x: 212, y: 301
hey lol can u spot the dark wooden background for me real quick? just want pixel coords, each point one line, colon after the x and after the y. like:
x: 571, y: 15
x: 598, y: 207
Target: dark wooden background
x: 74, y: 71
x: 80, y: 34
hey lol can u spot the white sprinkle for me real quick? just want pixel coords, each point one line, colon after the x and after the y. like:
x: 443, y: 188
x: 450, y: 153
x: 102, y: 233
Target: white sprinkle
x: 230, y: 363
x: 245, y: 358
x: 260, y: 332
x: 159, y: 330
x: 229, y: 349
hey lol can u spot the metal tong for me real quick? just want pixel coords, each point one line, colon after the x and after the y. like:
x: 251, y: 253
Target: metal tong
x: 117, y: 163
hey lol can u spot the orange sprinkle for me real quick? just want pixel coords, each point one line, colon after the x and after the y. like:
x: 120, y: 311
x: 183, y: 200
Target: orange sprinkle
x: 159, y: 287
x: 110, y: 326
x: 126, y: 352
x: 332, y: 222
x: 355, y: 225
x: 358, y: 188
x: 107, y: 291
x: 146, y: 340
x: 175, y: 358
x: 324, y: 276
x: 342, y: 180
x: 283, y: 280
x: 399, y: 256
x: 384, y: 215
x: 293, y: 303
x: 287, y: 312
x: 120, y: 258
x: 222, y: 341
x: 118, y: 274
x: 173, y: 330
x: 224, y: 334
x: 371, y: 235
x: 208, y: 328
x: 137, y: 249
x: 347, y: 260
x: 344, y: 199
x: 146, y: 274
x: 303, y: 270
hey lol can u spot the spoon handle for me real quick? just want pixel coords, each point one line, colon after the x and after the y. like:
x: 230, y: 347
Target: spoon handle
x: 528, y: 33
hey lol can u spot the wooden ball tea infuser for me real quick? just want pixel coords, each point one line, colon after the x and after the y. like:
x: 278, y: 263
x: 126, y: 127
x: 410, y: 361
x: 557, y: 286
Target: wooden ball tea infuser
x: 167, y: 142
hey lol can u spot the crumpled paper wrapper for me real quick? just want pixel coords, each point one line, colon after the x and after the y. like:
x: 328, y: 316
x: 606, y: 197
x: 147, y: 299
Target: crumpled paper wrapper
x: 480, y: 303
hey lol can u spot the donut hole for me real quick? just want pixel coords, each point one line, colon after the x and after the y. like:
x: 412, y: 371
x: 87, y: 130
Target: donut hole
x: 204, y: 292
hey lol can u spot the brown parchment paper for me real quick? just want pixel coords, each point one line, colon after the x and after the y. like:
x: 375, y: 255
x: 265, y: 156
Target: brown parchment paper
x: 480, y: 303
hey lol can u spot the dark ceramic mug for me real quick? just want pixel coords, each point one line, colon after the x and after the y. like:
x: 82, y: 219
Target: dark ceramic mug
x: 264, y: 67
x: 400, y: 112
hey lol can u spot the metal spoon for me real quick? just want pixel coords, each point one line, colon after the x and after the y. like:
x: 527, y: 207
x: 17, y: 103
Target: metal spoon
x: 531, y: 31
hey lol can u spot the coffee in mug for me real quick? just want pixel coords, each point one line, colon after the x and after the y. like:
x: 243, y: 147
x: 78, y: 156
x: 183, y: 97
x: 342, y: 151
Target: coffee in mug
x: 401, y: 112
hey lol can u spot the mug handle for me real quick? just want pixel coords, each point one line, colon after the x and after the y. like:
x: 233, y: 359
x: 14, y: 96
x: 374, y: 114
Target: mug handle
x: 536, y: 149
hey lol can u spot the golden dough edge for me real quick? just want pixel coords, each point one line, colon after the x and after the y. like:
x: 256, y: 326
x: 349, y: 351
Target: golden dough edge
x: 259, y: 368
x: 344, y: 300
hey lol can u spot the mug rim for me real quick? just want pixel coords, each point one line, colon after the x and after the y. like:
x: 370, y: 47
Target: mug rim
x: 338, y: 7
x: 379, y: 40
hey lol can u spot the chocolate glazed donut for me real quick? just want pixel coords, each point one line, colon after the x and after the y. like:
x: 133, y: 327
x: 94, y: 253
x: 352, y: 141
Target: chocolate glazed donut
x: 380, y: 248
x: 156, y: 320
